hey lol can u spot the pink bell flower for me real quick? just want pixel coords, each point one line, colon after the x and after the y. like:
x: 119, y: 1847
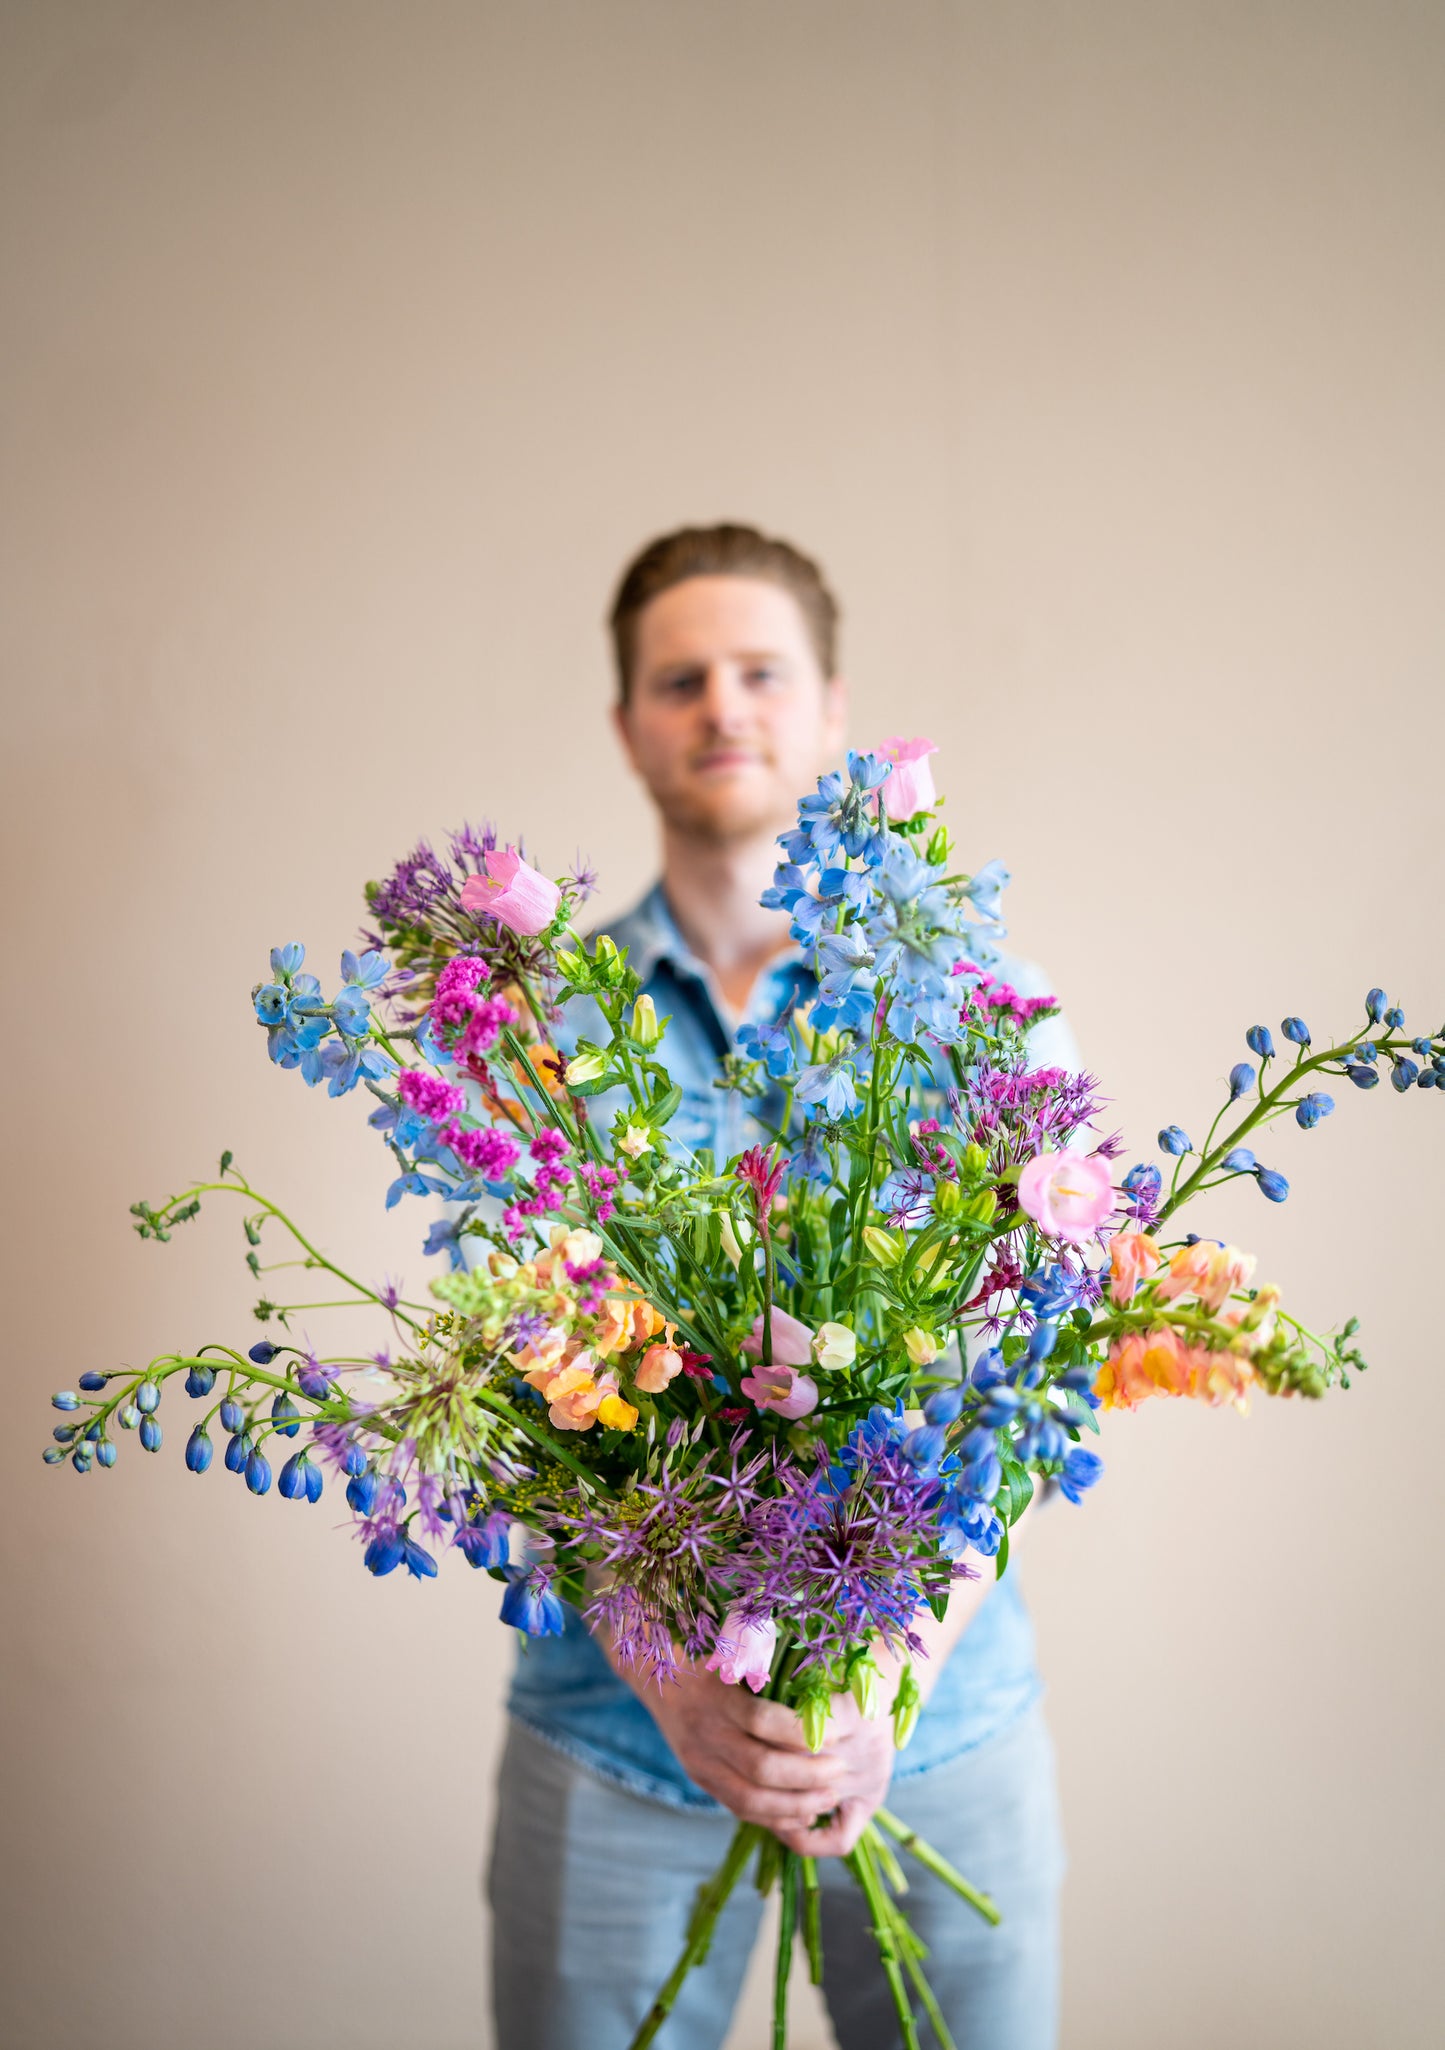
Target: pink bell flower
x: 783, y: 1390
x: 908, y: 788
x: 517, y: 896
x: 744, y: 1650
x: 792, y: 1341
x: 1068, y: 1195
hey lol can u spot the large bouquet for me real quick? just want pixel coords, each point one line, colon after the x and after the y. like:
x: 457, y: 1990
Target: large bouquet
x: 757, y: 1411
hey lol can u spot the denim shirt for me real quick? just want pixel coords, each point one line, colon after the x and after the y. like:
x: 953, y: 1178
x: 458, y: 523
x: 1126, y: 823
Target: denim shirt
x: 563, y: 1687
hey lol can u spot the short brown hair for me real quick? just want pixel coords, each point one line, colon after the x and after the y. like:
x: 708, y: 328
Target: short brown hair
x: 726, y: 550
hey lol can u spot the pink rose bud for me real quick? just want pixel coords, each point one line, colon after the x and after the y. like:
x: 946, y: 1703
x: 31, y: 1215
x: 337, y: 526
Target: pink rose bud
x: 909, y: 785
x: 783, y: 1390
x: 744, y: 1650
x: 519, y: 897
x: 1068, y: 1195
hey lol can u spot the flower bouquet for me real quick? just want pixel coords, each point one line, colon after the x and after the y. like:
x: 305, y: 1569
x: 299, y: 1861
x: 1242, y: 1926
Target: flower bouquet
x: 758, y: 1411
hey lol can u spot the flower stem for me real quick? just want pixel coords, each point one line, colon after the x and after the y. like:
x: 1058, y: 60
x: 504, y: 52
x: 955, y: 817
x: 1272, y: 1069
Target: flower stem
x: 936, y: 1863
x: 786, y: 1926
x: 860, y: 1864
x: 813, y: 1920
x: 712, y: 1896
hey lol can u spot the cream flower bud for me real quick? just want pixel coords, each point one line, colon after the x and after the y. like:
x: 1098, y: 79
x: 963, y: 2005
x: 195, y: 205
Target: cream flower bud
x: 834, y: 1347
x: 921, y: 1347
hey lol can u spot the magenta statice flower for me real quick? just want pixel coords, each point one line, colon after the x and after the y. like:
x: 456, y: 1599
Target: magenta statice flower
x: 429, y: 1095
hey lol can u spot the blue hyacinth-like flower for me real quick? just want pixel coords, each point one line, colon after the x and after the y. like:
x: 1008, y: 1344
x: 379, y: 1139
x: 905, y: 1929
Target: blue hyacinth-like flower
x: 1310, y: 1109
x: 1239, y: 1160
x: 1241, y: 1079
x: 1174, y: 1139
x: 199, y: 1449
x: 1259, y: 1041
x: 1296, y: 1030
x: 1272, y: 1185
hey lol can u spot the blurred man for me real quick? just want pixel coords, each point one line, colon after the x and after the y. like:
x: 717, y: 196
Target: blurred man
x: 614, y: 1803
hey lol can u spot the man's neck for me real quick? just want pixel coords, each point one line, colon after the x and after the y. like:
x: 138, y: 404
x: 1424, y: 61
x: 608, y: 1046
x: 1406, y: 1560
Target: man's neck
x: 713, y: 889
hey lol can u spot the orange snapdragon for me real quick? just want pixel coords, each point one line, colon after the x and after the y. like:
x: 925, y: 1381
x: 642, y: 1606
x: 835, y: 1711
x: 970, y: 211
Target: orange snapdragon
x: 1133, y: 1257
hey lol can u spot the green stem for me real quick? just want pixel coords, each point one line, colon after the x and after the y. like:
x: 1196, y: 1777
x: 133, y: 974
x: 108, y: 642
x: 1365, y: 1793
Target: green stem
x: 936, y: 1863
x: 786, y: 1926
x: 813, y: 1920
x: 860, y: 1864
x: 712, y: 1897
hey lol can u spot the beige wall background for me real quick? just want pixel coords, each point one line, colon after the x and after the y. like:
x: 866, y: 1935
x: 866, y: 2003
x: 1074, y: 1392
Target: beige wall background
x: 348, y: 349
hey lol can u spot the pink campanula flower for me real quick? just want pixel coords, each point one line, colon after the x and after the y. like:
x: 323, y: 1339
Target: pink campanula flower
x: 516, y: 895
x: 783, y: 1390
x: 909, y: 786
x: 792, y: 1341
x: 744, y: 1650
x: 1068, y: 1195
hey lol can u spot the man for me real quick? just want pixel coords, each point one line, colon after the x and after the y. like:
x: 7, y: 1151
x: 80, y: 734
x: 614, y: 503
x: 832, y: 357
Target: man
x: 613, y: 1803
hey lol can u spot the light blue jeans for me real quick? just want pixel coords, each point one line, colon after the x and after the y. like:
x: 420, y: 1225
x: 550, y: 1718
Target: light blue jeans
x: 591, y: 1886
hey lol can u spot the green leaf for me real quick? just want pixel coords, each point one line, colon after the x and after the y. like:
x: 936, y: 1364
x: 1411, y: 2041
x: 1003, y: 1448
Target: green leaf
x: 1001, y: 1564
x: 610, y: 1078
x: 664, y: 1105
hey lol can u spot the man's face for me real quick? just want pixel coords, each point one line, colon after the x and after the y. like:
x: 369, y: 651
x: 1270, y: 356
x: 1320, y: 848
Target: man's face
x: 730, y: 718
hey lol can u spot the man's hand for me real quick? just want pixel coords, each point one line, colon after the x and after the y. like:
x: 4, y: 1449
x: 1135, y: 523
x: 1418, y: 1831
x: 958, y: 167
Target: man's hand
x: 752, y: 1756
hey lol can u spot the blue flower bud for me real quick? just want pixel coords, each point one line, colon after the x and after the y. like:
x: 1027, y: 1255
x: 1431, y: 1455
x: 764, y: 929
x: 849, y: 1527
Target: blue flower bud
x: 1424, y: 1047
x: 1272, y: 1185
x: 80, y: 1459
x: 1174, y: 1140
x: 1361, y: 1076
x: 151, y: 1433
x: 292, y: 1481
x: 129, y: 1417
x: 65, y: 1398
x: 945, y: 1405
x: 1241, y: 1078
x: 286, y: 960
x: 258, y: 1473
x: 1310, y: 1109
x: 361, y: 1493
x: 353, y: 1461
x: 199, y: 1450
x: 988, y: 1369
x: 92, y: 1383
x: 1051, y: 1440
x: 148, y: 1398
x: 262, y: 1352
x: 1295, y: 1029
x: 238, y: 1451
x: 419, y: 1562
x: 105, y: 1452
x: 315, y: 1481
x: 233, y: 1417
x: 485, y: 1543
x: 1081, y: 1470
x: 63, y: 1433
x: 283, y: 1409
x: 200, y: 1381
x: 1239, y: 1160
x: 924, y: 1447
x: 1376, y: 1004
x: 54, y: 1455
x: 1042, y: 1341
x: 1404, y: 1074
x: 385, y: 1552
x: 93, y: 1433
x: 313, y: 1380
x: 1367, y: 1051
x: 1395, y: 1018
x: 1259, y: 1041
x: 1143, y: 1184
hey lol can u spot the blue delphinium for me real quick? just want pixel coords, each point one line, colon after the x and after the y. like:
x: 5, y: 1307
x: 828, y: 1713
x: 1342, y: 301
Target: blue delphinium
x: 529, y: 1603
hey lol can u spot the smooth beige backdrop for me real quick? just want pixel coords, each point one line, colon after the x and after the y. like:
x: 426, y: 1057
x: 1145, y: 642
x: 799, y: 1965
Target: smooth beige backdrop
x: 348, y: 348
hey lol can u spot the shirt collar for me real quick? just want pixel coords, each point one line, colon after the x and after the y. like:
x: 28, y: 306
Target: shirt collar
x: 652, y: 937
